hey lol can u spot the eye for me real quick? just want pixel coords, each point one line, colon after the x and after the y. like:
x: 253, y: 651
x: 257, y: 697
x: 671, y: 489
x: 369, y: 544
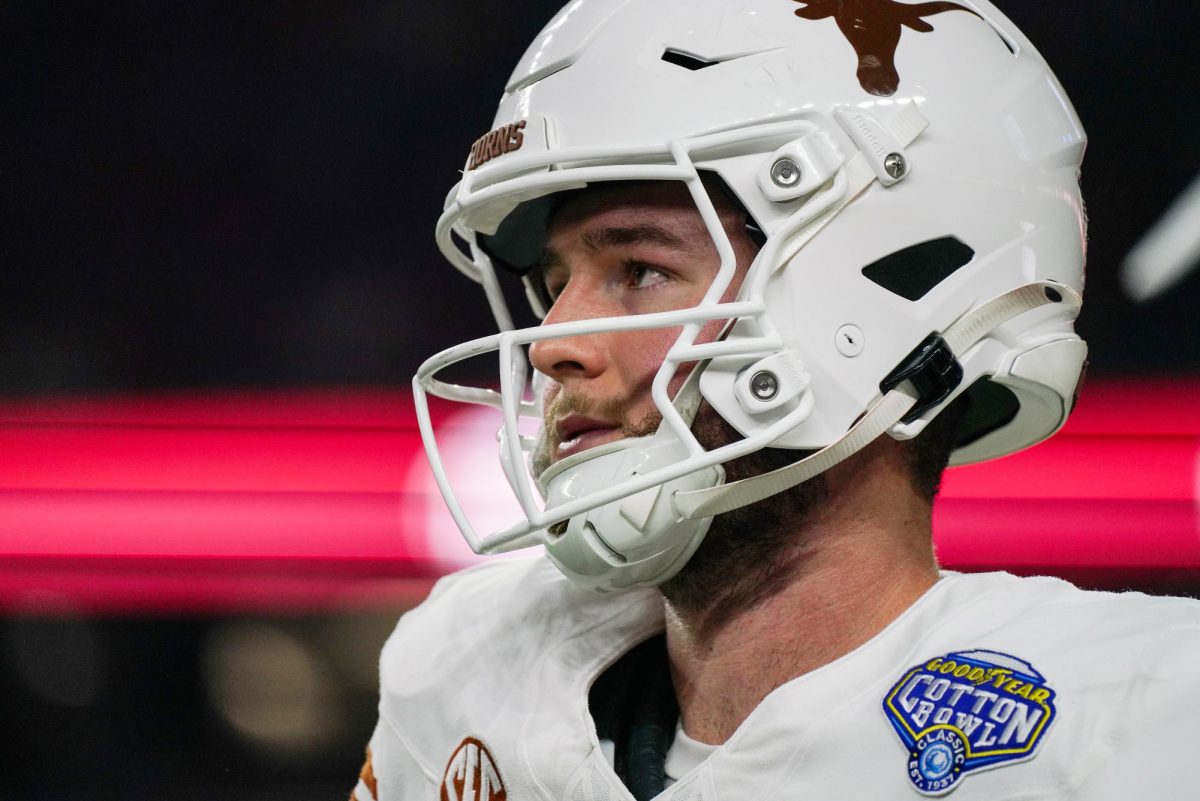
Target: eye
x: 643, y: 276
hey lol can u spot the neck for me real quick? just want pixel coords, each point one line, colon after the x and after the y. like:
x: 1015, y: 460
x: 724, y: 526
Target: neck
x: 854, y: 566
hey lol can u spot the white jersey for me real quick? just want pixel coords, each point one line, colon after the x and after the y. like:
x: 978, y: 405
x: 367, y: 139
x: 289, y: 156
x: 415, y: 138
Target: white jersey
x: 989, y: 687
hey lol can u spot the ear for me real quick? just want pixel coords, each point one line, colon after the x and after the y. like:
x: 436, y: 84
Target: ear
x: 916, y: 23
x: 817, y: 9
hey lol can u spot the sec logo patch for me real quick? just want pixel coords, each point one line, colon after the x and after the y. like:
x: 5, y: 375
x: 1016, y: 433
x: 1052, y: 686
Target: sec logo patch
x: 968, y: 711
x: 472, y: 775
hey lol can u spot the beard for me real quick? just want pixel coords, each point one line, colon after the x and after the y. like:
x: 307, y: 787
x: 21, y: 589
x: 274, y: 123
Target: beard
x: 747, y: 554
x: 750, y: 553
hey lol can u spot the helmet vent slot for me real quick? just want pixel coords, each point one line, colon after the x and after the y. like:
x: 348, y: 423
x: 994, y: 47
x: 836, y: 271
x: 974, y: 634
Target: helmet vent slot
x: 685, y: 60
x: 912, y: 271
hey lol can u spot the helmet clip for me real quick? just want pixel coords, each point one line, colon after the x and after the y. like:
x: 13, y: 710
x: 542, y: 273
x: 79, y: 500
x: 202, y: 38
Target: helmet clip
x: 933, y: 371
x: 882, y: 144
x: 800, y: 167
x: 772, y: 382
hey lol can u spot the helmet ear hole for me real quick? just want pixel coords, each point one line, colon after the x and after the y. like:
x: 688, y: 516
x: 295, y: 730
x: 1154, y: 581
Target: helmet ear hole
x: 990, y: 406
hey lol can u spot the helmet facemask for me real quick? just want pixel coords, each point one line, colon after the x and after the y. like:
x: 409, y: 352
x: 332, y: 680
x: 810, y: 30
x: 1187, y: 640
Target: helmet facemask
x: 670, y: 456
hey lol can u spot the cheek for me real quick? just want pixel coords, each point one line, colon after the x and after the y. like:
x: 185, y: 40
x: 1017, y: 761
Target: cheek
x: 639, y: 354
x: 709, y: 333
x: 711, y: 330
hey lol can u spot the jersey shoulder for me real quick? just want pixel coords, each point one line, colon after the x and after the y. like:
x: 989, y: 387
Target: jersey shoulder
x: 500, y: 655
x: 487, y: 613
x: 1045, y: 686
x: 1134, y: 626
x: 1123, y: 665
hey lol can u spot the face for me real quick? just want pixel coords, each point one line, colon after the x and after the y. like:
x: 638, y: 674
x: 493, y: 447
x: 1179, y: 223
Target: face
x: 614, y: 251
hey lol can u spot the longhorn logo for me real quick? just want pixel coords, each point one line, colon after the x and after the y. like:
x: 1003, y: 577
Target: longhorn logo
x: 873, y: 29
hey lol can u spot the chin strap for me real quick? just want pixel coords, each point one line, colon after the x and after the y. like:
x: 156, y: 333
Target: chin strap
x: 891, y: 409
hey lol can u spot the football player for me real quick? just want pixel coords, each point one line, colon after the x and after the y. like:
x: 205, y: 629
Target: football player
x: 791, y: 259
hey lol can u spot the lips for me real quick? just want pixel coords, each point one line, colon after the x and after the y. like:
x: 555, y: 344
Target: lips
x: 577, y: 433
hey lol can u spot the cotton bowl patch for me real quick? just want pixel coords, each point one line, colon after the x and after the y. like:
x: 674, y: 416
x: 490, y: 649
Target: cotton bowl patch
x: 968, y: 711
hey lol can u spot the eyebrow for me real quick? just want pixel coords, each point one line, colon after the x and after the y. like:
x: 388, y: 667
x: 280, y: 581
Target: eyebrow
x: 615, y: 237
x: 634, y: 235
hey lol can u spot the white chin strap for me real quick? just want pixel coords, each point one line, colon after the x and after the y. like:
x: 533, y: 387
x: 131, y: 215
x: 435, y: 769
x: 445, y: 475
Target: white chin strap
x: 887, y: 412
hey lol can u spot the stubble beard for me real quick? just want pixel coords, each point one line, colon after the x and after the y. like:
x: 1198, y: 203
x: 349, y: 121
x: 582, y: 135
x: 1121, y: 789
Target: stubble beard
x: 748, y: 554
x: 608, y: 409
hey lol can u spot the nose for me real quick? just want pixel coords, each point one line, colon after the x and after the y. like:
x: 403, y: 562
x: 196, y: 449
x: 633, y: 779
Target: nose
x: 574, y: 357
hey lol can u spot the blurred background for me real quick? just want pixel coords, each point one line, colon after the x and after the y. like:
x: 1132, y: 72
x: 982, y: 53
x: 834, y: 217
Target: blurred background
x: 217, y: 200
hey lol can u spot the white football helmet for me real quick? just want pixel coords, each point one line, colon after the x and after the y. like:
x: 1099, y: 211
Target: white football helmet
x: 914, y: 171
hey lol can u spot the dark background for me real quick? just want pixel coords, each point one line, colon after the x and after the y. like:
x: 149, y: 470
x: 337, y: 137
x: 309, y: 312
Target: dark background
x: 201, y: 195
